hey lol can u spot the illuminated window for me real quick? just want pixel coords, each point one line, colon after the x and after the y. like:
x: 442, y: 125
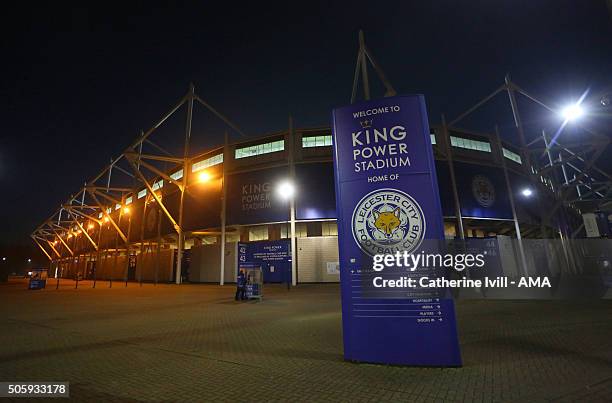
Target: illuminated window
x: 232, y: 237
x: 450, y: 232
x: 316, y: 141
x: 259, y: 233
x: 128, y: 200
x: 432, y: 137
x: 208, y: 162
x: 301, y: 230
x: 109, y: 210
x: 158, y: 184
x: 117, y: 206
x: 142, y: 193
x: 177, y: 175
x: 329, y: 228
x: 512, y: 156
x: 470, y: 144
x: 100, y: 215
x: 260, y: 149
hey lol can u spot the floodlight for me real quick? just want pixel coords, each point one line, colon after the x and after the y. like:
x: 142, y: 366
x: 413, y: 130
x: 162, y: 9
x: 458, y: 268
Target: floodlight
x: 572, y: 112
x: 203, y: 177
x: 285, y: 190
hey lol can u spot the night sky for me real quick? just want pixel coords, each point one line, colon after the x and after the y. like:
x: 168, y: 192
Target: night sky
x: 79, y: 83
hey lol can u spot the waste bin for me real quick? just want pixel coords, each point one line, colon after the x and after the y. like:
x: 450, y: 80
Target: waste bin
x: 254, y: 280
x: 38, y: 279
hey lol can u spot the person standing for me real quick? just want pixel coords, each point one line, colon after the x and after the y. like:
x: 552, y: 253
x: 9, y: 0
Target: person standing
x: 240, y: 286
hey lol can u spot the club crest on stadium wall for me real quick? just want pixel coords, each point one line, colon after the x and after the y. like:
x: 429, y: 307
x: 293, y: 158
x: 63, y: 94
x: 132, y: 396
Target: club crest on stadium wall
x: 387, y: 221
x: 483, y: 190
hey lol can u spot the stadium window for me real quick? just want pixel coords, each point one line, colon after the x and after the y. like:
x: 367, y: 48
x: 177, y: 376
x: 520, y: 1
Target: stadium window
x: 329, y: 228
x: 450, y: 232
x: 209, y: 240
x: 231, y: 237
x: 260, y: 149
x: 301, y: 230
x: 177, y: 175
x: 317, y: 141
x: 208, y: 162
x: 142, y: 193
x: 258, y: 233
x: 432, y: 137
x: 117, y: 206
x: 512, y: 155
x: 158, y: 184
x: 128, y: 200
x: 470, y: 144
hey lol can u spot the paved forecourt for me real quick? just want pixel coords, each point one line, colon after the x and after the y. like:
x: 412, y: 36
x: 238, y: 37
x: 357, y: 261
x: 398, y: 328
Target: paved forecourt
x: 194, y: 343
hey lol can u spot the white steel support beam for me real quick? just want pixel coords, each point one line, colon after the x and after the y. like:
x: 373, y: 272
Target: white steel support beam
x: 41, y: 248
x: 110, y: 219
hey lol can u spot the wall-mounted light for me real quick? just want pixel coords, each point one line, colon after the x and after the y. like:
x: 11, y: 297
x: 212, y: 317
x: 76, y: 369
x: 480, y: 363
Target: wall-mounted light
x: 203, y: 177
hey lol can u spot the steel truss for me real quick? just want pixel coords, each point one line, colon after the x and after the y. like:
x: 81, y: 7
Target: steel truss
x: 576, y: 181
x: 84, y: 214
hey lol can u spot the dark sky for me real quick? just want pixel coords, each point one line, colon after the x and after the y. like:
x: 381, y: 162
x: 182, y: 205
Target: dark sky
x: 78, y: 84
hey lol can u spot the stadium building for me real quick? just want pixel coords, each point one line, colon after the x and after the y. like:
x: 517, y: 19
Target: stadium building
x: 156, y: 215
x: 242, y: 184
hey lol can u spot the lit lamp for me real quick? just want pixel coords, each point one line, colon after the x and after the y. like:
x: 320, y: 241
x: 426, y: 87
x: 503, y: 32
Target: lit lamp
x: 286, y: 190
x: 527, y: 192
x: 203, y: 177
x: 572, y: 112
x: 126, y: 210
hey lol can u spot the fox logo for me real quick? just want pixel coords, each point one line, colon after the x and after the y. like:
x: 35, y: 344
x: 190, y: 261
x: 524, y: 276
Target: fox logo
x: 483, y: 190
x: 387, y: 222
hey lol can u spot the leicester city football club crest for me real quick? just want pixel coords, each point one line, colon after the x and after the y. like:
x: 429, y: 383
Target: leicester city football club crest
x: 483, y: 190
x: 387, y: 221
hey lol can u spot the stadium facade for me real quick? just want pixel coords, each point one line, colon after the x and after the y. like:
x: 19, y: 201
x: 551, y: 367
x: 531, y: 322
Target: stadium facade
x: 198, y: 220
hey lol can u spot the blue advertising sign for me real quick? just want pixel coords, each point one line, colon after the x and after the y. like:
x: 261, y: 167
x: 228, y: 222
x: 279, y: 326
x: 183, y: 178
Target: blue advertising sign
x: 315, y: 182
x: 274, y: 258
x: 253, y: 198
x: 482, y: 191
x: 387, y: 201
